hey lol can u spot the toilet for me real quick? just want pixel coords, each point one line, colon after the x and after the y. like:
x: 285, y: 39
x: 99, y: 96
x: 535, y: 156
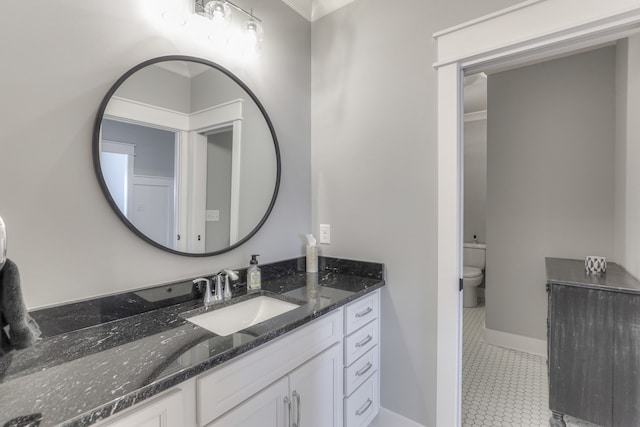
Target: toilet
x: 474, y: 262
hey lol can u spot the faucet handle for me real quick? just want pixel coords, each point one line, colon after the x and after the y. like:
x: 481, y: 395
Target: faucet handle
x: 231, y: 273
x: 227, y: 287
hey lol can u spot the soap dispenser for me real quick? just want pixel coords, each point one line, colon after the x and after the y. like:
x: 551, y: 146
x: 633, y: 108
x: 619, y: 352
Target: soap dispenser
x: 254, y: 280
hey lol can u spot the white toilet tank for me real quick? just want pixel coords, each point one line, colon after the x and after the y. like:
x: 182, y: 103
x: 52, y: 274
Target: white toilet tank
x: 474, y: 255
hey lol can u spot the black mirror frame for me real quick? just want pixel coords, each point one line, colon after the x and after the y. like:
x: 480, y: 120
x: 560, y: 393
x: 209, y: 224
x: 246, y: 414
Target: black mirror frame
x: 103, y: 184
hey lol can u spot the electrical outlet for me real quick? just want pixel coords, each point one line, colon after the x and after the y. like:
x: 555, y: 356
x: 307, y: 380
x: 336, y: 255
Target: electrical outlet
x: 325, y: 234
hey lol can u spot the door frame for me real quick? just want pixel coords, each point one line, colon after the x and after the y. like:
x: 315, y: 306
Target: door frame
x: 525, y: 33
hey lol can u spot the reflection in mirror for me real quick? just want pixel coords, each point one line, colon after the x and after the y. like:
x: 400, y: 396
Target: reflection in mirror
x: 187, y: 156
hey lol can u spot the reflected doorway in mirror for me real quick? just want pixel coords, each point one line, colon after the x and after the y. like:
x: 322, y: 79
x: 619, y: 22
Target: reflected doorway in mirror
x: 224, y: 156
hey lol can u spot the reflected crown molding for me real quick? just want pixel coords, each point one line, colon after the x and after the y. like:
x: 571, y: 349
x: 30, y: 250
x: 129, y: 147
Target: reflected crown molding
x: 189, y: 70
x: 135, y: 111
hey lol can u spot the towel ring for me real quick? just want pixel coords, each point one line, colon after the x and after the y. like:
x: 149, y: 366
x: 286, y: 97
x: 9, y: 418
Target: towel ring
x: 3, y: 243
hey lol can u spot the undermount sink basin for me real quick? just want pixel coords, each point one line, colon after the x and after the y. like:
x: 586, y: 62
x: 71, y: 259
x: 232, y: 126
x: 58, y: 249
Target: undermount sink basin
x: 236, y: 317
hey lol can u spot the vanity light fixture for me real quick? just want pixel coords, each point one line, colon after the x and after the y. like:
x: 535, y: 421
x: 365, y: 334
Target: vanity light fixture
x: 219, y: 12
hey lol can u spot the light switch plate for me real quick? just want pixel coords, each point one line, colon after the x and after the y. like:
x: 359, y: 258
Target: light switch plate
x: 213, y: 215
x: 325, y: 234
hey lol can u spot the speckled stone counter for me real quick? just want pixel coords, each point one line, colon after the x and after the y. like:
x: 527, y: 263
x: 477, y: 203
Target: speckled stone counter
x: 128, y: 350
x: 571, y: 272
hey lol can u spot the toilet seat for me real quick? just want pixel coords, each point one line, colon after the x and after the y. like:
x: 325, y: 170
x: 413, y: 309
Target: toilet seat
x: 471, y: 272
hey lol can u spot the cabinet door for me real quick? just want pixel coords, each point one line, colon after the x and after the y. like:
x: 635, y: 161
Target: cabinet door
x: 164, y: 411
x: 268, y: 408
x: 580, y: 356
x: 626, y: 371
x: 316, y: 391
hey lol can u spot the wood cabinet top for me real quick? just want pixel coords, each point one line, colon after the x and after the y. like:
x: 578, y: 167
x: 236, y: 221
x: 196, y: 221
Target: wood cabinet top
x: 571, y: 272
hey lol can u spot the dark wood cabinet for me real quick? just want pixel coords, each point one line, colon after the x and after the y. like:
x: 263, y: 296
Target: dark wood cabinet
x: 580, y: 356
x: 626, y: 369
x: 594, y: 345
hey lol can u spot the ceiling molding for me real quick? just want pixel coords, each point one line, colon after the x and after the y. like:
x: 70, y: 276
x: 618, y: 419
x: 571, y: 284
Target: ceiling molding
x: 312, y: 10
x: 303, y: 7
x: 321, y: 8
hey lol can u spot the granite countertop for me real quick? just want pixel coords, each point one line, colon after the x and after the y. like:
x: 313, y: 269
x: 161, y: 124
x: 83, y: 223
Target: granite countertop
x: 126, y: 348
x: 571, y: 272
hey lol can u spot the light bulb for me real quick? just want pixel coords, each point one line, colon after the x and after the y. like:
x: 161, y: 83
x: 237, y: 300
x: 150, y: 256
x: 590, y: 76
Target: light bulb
x: 219, y: 12
x: 253, y: 36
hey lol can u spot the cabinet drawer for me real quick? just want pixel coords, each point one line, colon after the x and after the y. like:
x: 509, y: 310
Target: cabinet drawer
x: 232, y: 383
x: 360, y: 370
x: 362, y: 406
x: 361, y: 312
x: 358, y: 343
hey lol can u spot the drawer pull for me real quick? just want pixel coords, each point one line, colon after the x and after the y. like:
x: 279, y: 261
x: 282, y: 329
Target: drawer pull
x: 364, y: 341
x: 364, y: 408
x: 364, y: 312
x: 364, y: 370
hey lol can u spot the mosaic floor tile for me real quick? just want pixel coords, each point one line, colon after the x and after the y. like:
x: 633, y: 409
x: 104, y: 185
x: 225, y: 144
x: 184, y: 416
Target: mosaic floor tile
x: 502, y: 387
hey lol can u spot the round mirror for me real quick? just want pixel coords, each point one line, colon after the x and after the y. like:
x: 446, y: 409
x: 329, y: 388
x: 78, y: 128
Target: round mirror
x: 186, y: 156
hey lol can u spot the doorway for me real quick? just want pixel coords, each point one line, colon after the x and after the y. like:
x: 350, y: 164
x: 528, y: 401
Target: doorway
x: 521, y: 34
x: 551, y: 147
x: 139, y: 168
x: 218, y: 188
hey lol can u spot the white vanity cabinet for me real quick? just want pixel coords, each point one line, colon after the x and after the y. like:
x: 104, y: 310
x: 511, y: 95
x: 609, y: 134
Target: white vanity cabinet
x: 309, y: 359
x: 362, y: 360
x: 165, y: 410
x: 268, y: 408
x: 323, y: 374
x: 310, y: 396
x: 316, y: 391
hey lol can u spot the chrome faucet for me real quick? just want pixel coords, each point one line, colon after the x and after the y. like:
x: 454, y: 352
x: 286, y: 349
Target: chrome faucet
x: 218, y: 294
x: 207, y: 298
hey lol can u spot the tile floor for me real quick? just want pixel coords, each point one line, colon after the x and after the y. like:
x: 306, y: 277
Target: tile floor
x: 502, y: 387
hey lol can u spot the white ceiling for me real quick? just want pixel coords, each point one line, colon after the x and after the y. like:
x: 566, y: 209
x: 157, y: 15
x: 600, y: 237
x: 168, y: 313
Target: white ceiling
x: 313, y: 10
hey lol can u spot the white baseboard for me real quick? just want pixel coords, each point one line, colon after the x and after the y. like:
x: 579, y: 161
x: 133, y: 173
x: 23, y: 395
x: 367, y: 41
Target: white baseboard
x: 515, y: 342
x: 387, y: 418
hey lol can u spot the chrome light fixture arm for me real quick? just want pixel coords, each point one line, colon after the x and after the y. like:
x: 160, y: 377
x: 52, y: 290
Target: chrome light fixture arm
x: 201, y: 7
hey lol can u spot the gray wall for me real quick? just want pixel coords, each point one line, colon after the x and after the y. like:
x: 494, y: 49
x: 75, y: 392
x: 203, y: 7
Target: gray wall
x: 219, y: 147
x: 155, y: 148
x: 257, y: 159
x: 475, y: 180
x: 374, y: 168
x: 627, y: 154
x: 80, y: 248
x: 550, y: 179
x: 142, y: 86
x: 620, y: 226
x: 212, y: 88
